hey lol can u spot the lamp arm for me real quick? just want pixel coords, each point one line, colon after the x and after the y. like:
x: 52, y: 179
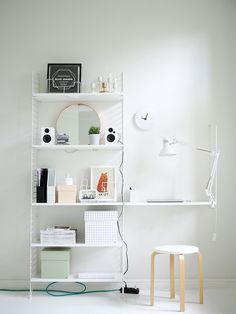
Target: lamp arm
x: 175, y: 141
x: 210, y: 182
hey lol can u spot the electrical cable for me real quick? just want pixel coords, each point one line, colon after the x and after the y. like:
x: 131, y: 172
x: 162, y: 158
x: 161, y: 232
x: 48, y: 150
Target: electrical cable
x: 122, y: 208
x: 61, y: 293
x: 126, y: 249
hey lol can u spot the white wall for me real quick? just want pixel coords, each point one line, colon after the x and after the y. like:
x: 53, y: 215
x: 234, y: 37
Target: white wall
x: 179, y: 62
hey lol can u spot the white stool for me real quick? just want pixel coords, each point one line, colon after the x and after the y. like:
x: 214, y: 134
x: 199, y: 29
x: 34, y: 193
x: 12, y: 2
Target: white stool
x: 180, y: 250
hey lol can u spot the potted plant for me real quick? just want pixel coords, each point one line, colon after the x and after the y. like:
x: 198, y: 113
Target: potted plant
x: 94, y: 135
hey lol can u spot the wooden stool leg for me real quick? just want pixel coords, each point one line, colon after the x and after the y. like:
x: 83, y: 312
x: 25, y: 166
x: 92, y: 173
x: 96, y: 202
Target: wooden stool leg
x: 200, y: 277
x: 181, y: 275
x: 172, y: 276
x: 152, y: 278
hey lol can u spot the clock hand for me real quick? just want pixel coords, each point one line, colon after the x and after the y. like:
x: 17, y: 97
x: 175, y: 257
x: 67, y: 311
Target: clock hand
x: 145, y: 118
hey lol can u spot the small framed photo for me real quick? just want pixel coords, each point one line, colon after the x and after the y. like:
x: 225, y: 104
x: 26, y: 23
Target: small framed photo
x: 88, y: 196
x: 103, y: 180
x: 64, y: 77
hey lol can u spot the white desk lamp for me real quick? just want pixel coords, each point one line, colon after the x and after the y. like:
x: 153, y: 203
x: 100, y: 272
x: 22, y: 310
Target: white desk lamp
x: 168, y: 150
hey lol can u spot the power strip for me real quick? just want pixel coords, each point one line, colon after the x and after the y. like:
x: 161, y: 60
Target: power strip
x: 129, y: 290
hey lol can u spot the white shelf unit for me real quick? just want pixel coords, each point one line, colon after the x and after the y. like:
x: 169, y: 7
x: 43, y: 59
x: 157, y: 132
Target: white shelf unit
x: 111, y: 104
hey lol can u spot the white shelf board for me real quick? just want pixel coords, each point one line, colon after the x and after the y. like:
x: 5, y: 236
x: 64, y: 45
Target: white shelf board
x: 75, y: 278
x: 200, y: 203
x: 76, y: 245
x: 79, y: 147
x: 78, y: 204
x: 188, y: 203
x: 70, y: 97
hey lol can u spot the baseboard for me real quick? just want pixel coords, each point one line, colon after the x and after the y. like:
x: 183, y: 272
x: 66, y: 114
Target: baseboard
x: 14, y: 284
x: 143, y: 284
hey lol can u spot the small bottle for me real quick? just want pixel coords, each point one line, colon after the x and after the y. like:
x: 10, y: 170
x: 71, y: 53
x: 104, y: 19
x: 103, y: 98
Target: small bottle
x: 115, y: 85
x: 104, y: 87
x: 68, y: 180
x: 110, y: 83
x: 93, y: 87
x: 100, y: 81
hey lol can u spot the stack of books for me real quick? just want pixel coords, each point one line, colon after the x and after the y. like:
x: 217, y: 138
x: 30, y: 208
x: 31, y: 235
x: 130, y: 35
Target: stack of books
x: 58, y: 236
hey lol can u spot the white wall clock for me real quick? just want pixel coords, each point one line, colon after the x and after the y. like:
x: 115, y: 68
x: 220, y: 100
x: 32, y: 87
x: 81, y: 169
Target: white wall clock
x: 143, y: 120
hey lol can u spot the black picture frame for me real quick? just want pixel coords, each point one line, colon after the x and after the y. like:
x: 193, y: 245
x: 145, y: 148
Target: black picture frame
x: 64, y: 77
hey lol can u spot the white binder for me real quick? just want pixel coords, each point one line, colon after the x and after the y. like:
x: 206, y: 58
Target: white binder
x: 51, y: 186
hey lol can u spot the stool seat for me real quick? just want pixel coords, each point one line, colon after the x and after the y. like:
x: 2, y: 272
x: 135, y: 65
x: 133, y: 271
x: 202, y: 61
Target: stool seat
x: 176, y: 249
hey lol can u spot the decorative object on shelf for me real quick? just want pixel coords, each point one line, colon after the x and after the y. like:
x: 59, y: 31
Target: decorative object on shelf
x: 115, y: 85
x: 75, y: 121
x: 130, y: 195
x: 69, y: 180
x: 86, y: 194
x: 110, y: 83
x: 143, y: 120
x: 101, y: 227
x: 94, y: 135
x: 93, y: 87
x: 111, y: 136
x: 107, y: 86
x: 103, y: 180
x: 104, y: 88
x: 55, y: 263
x: 67, y: 192
x: 102, y: 85
x: 168, y: 150
x: 47, y: 136
x: 64, y: 78
x: 62, y: 139
x: 100, y: 80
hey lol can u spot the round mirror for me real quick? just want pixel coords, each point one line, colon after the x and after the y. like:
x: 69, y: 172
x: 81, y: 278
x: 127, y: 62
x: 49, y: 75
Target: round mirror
x: 75, y: 121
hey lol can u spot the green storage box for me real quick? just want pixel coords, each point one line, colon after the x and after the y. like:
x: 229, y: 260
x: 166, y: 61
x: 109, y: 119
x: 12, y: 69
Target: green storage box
x: 55, y: 263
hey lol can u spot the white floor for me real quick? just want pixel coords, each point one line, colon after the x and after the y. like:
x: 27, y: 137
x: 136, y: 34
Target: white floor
x: 217, y: 301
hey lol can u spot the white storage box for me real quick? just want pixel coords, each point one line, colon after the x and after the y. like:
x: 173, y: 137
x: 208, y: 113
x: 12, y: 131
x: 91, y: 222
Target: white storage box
x: 101, y: 227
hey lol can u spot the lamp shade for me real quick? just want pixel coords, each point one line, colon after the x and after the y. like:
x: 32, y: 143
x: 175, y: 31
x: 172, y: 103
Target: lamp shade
x: 167, y: 149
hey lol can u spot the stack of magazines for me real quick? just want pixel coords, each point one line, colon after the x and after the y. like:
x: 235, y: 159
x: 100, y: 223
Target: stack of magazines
x: 55, y: 235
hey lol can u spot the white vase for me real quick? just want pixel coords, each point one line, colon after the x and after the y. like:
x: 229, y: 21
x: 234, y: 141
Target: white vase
x: 94, y: 139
